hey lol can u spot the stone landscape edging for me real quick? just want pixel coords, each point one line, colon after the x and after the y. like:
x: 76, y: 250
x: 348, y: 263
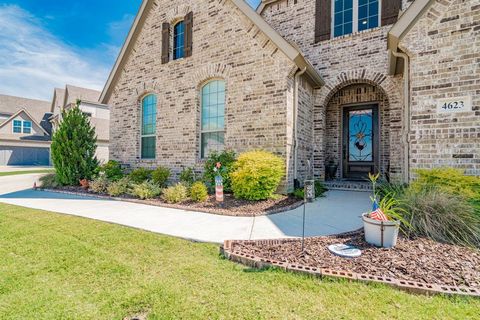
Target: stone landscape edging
x: 171, y: 206
x: 228, y: 251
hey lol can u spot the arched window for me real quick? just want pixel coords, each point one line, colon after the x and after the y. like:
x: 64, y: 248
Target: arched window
x: 149, y: 126
x: 213, y: 117
x: 179, y: 40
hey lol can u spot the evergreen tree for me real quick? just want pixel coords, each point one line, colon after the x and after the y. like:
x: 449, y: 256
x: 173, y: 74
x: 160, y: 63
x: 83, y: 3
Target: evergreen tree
x: 73, y: 147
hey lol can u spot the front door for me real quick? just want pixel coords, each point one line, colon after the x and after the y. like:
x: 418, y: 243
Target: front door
x: 360, y: 141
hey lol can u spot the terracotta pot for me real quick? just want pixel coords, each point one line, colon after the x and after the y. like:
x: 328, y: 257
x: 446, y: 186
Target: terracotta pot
x: 380, y: 233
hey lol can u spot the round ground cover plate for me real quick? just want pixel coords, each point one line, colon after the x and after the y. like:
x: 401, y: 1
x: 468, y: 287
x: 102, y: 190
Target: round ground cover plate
x: 345, y: 251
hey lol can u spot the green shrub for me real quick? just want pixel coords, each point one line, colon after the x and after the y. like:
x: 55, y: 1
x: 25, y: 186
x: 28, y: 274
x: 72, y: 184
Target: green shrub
x: 146, y: 190
x: 320, y: 190
x: 199, y: 192
x: 112, y: 170
x: 256, y: 175
x: 160, y: 176
x: 441, y: 216
x: 187, y: 176
x: 119, y: 188
x: 140, y: 175
x: 49, y: 181
x: 175, y: 194
x: 452, y: 181
x: 227, y: 159
x: 99, y: 185
x: 73, y: 147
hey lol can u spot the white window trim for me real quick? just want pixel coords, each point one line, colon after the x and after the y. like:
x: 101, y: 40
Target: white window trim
x: 202, y: 132
x: 141, y: 128
x: 354, y: 18
x: 22, y: 127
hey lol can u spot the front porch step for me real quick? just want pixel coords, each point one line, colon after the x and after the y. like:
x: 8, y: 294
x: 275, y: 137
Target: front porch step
x: 349, y: 186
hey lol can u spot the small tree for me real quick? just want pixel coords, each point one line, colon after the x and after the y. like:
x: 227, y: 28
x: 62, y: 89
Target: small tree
x: 73, y: 147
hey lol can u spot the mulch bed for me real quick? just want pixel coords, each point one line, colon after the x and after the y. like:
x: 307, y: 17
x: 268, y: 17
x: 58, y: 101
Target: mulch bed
x: 230, y: 207
x: 419, y: 260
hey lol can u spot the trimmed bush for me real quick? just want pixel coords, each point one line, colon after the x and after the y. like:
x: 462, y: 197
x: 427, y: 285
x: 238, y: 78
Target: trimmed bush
x: 99, y: 185
x: 119, y: 188
x: 112, y: 170
x: 175, y: 194
x: 74, y: 144
x: 441, y: 216
x: 49, y: 181
x: 187, y: 176
x: 146, y: 190
x: 140, y: 175
x: 227, y: 159
x: 256, y: 175
x: 160, y: 176
x: 199, y: 192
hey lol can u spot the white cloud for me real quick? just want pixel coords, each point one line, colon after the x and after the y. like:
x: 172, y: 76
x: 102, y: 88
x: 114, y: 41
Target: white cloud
x: 33, y: 61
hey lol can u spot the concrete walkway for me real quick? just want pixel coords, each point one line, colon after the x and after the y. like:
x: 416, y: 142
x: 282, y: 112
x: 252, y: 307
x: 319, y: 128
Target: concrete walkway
x: 338, y: 212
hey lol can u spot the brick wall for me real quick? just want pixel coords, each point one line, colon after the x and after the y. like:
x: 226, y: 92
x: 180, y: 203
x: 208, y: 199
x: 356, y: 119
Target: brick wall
x: 225, y: 45
x: 351, y: 59
x: 445, y: 62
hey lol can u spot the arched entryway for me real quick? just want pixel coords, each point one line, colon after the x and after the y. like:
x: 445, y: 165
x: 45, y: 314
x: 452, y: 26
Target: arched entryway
x: 358, y: 132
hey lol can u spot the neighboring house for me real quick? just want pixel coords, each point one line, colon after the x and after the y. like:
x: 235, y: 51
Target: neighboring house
x: 385, y: 86
x: 99, y: 114
x: 24, y: 131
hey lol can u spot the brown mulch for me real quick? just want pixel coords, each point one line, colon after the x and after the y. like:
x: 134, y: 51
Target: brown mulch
x: 230, y: 207
x: 419, y: 260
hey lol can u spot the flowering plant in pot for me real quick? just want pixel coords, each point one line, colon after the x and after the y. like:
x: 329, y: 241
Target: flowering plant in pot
x: 382, y: 225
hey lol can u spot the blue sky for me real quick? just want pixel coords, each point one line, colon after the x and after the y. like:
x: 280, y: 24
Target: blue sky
x: 48, y: 43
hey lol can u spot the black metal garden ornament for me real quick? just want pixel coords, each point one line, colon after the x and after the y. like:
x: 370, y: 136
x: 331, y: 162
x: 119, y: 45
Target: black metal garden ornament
x: 309, y: 197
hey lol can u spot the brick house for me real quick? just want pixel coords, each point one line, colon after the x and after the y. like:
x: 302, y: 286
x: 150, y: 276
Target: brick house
x: 366, y: 85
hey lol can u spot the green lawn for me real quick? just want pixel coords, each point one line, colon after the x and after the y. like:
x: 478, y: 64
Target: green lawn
x: 16, y: 173
x: 61, y: 267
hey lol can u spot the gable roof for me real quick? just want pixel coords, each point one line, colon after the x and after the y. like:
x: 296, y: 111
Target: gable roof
x: 10, y: 105
x: 404, y: 24
x: 28, y: 115
x: 58, y: 98
x: 292, y: 52
x: 72, y: 93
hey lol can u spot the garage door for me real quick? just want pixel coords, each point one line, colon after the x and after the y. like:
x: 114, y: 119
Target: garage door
x: 23, y: 156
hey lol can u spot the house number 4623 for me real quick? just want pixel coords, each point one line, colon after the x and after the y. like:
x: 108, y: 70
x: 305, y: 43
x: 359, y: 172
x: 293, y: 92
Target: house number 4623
x: 452, y: 105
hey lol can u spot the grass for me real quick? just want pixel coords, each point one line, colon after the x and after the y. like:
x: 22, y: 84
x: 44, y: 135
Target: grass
x: 62, y: 267
x: 16, y: 173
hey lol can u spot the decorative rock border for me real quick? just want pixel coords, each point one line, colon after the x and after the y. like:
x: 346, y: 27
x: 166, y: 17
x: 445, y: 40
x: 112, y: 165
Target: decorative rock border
x: 172, y: 206
x: 228, y: 250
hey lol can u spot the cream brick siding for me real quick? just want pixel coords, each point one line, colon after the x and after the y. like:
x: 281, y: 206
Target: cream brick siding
x: 226, y: 45
x: 261, y: 95
x: 342, y: 61
x: 444, y: 47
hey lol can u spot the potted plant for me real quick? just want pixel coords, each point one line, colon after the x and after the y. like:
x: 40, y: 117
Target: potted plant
x: 331, y: 168
x: 382, y: 225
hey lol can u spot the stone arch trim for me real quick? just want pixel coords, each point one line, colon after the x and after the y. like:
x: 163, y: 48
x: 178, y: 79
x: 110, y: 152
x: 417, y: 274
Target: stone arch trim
x: 386, y: 83
x: 209, y: 72
x: 177, y: 13
x: 146, y: 88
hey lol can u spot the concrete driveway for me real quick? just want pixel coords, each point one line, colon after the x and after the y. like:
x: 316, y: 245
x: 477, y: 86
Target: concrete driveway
x: 339, y: 212
x: 22, y: 168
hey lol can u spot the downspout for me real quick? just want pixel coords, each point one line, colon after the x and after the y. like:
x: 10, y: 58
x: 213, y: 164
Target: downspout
x: 406, y: 114
x: 295, y: 127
